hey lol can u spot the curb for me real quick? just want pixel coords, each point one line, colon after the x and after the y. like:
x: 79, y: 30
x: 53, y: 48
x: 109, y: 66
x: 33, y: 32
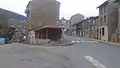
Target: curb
x: 55, y: 44
x: 63, y: 44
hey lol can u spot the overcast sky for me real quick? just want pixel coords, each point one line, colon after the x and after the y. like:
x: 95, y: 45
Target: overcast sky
x: 68, y: 7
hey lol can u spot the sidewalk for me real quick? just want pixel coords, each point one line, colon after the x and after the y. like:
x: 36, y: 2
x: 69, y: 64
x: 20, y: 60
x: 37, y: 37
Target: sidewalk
x: 106, y: 42
x: 101, y: 41
x: 70, y: 38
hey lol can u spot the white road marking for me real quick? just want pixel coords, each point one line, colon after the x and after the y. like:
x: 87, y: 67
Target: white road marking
x: 78, y: 41
x: 73, y: 41
x: 81, y: 41
x: 96, y: 63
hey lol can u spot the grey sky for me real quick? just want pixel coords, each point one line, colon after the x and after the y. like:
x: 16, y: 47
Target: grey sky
x: 68, y: 7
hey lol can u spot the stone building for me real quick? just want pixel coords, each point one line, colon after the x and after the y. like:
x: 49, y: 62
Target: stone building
x: 73, y: 21
x: 42, y: 19
x: 42, y: 12
x: 108, y: 15
x: 116, y: 36
x: 95, y: 33
x: 84, y: 28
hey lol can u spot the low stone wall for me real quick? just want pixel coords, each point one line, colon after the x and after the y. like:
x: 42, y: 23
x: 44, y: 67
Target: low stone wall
x: 42, y: 41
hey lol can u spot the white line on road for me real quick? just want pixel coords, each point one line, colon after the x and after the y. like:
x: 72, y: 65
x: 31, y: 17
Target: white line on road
x: 78, y: 41
x: 96, y: 63
x: 73, y: 41
x: 81, y: 41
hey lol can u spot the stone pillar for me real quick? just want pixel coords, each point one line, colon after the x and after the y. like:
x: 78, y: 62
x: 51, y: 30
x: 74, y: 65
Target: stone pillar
x: 46, y: 33
x: 41, y: 34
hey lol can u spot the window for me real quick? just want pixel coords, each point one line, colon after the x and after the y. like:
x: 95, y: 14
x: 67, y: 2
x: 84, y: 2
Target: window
x: 101, y: 19
x: 93, y: 21
x: 104, y: 9
x: 100, y: 11
x: 105, y: 18
x: 103, y: 31
x: 100, y: 31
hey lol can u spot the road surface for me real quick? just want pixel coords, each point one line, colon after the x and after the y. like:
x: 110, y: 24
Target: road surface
x: 103, y: 55
x: 83, y: 54
x: 28, y: 56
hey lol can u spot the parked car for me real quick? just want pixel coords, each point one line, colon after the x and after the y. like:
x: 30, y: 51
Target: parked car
x: 2, y: 41
x: 7, y: 41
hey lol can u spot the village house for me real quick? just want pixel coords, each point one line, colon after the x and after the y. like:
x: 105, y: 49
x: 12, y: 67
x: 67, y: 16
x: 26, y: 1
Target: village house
x: 116, y: 36
x: 95, y: 33
x: 73, y: 21
x: 108, y: 15
x: 84, y: 28
x: 42, y: 21
x: 106, y: 26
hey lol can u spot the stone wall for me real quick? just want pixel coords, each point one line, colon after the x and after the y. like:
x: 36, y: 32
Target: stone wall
x: 112, y: 13
x: 43, y: 12
x: 42, y: 41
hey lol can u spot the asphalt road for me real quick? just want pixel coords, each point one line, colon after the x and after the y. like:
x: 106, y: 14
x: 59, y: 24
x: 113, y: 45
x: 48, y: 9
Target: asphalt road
x: 30, y: 56
x: 83, y: 54
x: 100, y: 55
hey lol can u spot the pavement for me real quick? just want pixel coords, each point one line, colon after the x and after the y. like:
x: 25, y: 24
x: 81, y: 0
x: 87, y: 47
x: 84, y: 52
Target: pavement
x: 74, y: 39
x: 105, y: 42
x: 86, y: 53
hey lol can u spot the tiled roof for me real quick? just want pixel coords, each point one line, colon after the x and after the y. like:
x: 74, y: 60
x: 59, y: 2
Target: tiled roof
x: 46, y: 26
x: 103, y: 4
